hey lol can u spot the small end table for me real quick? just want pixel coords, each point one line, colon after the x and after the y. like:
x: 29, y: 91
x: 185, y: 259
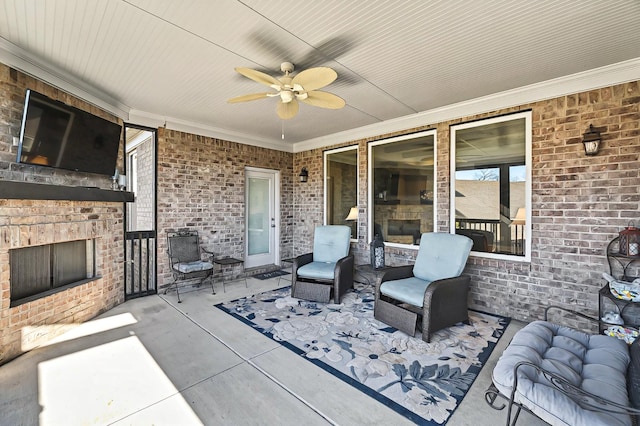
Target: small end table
x: 228, y: 261
x: 367, y: 274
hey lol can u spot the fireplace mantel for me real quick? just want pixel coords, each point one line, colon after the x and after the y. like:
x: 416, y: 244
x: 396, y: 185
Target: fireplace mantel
x: 38, y: 191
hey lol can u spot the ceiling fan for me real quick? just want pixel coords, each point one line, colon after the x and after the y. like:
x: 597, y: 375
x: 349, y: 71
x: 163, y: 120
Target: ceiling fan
x: 302, y: 87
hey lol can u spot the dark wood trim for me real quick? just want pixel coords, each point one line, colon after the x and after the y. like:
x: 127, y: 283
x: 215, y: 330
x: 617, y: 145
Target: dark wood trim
x: 38, y: 191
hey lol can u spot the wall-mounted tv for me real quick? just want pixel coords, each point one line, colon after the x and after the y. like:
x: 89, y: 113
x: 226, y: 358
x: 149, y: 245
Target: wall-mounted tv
x: 58, y: 135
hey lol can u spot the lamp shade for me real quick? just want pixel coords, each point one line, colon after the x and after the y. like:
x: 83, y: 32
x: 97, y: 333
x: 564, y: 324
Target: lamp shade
x: 521, y: 217
x: 353, y: 214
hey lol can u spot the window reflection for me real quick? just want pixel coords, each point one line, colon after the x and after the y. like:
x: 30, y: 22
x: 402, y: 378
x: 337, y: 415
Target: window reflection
x: 402, y: 187
x: 490, y: 184
x: 341, y: 188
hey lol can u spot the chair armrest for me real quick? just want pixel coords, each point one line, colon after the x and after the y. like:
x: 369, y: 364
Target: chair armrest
x: 449, y: 289
x: 299, y: 261
x: 397, y: 273
x: 343, y: 277
x: 208, y: 253
x: 393, y: 273
x: 344, y: 268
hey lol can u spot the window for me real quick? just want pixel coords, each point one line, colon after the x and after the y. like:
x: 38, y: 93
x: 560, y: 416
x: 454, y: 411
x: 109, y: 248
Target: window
x: 341, y: 188
x: 491, y: 183
x: 402, y: 188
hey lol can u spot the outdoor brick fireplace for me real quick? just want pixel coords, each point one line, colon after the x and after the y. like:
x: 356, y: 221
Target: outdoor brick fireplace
x: 37, y: 224
x: 42, y: 206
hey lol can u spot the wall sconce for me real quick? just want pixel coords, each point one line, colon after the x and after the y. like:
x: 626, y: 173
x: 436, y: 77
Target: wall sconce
x: 304, y: 175
x: 591, y: 141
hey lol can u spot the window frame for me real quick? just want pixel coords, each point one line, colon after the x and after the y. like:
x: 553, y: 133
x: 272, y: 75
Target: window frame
x: 527, y: 116
x: 325, y: 188
x: 370, y: 183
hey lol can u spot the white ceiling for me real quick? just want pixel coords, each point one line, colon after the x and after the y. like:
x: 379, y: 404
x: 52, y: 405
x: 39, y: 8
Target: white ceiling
x: 399, y: 63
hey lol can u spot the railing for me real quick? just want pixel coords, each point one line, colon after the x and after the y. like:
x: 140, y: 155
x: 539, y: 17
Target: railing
x: 511, y: 242
x: 140, y: 261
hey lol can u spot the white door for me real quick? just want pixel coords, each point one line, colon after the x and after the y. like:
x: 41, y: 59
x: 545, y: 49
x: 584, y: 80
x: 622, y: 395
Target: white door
x: 262, y: 217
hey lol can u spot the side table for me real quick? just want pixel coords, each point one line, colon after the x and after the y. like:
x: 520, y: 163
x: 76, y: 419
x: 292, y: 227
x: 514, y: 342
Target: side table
x: 367, y: 274
x: 228, y: 261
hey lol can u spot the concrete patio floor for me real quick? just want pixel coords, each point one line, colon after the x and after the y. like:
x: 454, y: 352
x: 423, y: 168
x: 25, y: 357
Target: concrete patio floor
x: 152, y: 361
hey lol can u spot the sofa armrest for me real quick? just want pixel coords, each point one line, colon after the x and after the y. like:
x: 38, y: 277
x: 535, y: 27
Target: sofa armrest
x: 569, y: 311
x: 562, y: 385
x: 393, y: 273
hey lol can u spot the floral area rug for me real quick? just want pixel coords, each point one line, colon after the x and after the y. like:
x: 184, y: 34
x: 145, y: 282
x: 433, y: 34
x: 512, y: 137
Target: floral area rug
x: 425, y: 382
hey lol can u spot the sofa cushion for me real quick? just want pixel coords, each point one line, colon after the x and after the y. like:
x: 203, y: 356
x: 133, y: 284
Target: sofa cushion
x: 595, y: 363
x: 441, y: 255
x: 318, y: 270
x: 409, y: 290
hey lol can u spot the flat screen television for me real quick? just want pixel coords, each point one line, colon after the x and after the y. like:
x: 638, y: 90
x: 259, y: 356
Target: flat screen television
x: 57, y: 135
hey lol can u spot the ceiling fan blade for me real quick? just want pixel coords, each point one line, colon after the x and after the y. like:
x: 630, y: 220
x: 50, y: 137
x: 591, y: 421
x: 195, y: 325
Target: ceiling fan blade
x: 287, y: 110
x: 324, y: 100
x: 251, y: 97
x: 259, y: 76
x: 315, y: 78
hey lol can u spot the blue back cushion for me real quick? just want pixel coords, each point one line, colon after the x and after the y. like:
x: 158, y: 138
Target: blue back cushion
x: 441, y: 255
x: 331, y: 243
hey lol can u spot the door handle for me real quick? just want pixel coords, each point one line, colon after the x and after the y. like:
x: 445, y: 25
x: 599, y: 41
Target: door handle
x: 273, y: 222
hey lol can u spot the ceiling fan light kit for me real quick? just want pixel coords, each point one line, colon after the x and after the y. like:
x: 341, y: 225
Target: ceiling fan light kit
x: 302, y: 87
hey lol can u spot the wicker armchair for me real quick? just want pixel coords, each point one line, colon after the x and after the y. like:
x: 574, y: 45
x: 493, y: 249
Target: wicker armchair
x: 433, y: 288
x: 326, y: 272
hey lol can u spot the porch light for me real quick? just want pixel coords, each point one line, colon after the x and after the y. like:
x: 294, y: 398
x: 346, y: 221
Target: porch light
x: 304, y: 175
x: 591, y: 141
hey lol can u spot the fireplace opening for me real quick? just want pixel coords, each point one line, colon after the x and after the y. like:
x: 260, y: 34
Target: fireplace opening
x: 40, y: 271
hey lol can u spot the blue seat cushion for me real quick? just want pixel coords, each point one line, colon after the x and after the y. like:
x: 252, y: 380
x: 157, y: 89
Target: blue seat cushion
x: 409, y: 290
x: 318, y: 270
x: 595, y: 363
x: 188, y: 267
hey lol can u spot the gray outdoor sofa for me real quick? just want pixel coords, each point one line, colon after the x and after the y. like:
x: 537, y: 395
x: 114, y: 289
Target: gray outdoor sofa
x: 568, y: 377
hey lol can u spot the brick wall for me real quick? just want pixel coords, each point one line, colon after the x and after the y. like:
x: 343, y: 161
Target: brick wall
x: 579, y: 203
x: 25, y: 223
x: 201, y: 185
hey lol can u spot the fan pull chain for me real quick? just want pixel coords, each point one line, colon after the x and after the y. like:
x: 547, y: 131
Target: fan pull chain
x: 282, y: 123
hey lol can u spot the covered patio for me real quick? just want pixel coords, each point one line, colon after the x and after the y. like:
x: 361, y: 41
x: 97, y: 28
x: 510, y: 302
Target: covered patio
x: 154, y: 361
